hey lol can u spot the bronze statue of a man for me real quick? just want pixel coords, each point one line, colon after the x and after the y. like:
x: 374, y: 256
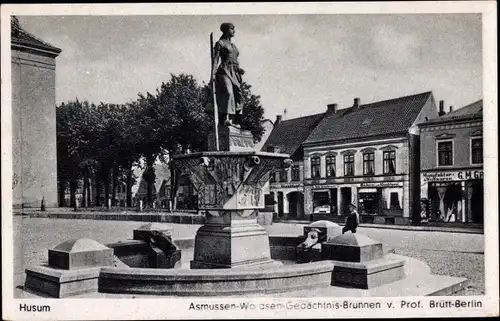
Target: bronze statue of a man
x: 227, y: 77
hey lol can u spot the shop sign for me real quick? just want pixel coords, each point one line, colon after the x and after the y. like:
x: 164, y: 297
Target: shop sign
x: 291, y: 185
x: 323, y: 186
x: 453, y: 176
x: 382, y: 184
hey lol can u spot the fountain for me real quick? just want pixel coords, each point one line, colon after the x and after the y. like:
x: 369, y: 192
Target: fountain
x: 233, y: 254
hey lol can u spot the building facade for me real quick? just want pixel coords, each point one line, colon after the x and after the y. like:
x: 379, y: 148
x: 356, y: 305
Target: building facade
x: 367, y: 155
x: 34, y: 153
x: 452, y: 164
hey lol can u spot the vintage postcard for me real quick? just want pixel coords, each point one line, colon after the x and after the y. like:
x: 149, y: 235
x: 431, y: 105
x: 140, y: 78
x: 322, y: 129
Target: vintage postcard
x: 251, y: 160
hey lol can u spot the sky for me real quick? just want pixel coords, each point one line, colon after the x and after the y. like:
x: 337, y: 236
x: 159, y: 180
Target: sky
x: 299, y: 63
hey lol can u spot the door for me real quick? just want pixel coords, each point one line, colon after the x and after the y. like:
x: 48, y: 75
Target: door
x: 280, y: 204
x: 346, y: 199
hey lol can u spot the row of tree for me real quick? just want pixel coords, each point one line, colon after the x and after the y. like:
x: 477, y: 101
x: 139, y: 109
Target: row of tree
x: 104, y: 142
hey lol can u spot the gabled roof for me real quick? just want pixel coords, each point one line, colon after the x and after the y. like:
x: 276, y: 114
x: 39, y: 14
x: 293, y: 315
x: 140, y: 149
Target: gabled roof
x: 288, y: 135
x: 22, y: 37
x: 474, y: 110
x: 379, y: 118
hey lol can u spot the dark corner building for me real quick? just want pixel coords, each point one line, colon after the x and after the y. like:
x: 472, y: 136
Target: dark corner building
x: 452, y: 164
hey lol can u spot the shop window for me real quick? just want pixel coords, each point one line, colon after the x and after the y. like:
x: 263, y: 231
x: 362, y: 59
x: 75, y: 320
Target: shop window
x: 295, y: 173
x: 445, y: 153
x: 477, y: 150
x: 368, y: 163
x: 283, y: 175
x: 348, y: 165
x: 394, y: 201
x: 315, y: 167
x: 330, y: 166
x: 390, y: 162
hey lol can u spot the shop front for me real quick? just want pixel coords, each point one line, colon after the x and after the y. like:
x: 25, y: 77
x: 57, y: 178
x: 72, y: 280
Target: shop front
x: 373, y: 199
x: 383, y: 199
x: 455, y: 195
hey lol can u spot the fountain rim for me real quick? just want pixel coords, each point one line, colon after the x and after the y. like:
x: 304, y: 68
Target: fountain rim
x: 230, y: 153
x: 239, y: 273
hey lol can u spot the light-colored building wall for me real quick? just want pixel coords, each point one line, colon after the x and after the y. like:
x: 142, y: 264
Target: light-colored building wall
x: 396, y: 183
x: 400, y: 146
x: 34, y: 128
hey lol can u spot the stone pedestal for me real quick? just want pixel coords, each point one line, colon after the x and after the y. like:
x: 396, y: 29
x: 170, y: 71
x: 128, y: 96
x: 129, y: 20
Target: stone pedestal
x: 231, y: 240
x: 81, y: 253
x: 231, y: 139
x: 352, y: 247
x: 360, y: 262
x: 74, y: 268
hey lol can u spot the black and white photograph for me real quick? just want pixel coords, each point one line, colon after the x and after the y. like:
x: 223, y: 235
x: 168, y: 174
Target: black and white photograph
x: 252, y: 160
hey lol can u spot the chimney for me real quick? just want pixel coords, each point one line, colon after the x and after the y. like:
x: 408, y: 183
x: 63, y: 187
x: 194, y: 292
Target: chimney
x: 278, y: 120
x: 331, y: 108
x: 451, y: 109
x: 441, y: 108
x: 356, y: 103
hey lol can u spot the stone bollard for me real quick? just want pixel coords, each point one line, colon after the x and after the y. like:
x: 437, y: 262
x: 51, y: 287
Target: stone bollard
x: 75, y: 206
x: 139, y: 206
x: 73, y: 268
x: 42, y: 205
x: 109, y: 202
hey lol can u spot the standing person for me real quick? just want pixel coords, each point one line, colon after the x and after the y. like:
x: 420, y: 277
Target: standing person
x: 352, y: 220
x: 423, y: 212
x: 227, y: 77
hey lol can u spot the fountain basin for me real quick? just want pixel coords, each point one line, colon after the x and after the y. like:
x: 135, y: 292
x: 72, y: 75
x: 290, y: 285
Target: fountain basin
x: 182, y: 281
x: 216, y: 282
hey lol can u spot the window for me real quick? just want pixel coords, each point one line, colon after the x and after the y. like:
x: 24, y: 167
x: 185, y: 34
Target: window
x: 477, y: 150
x: 270, y: 149
x: 390, y: 162
x: 315, y: 167
x: 330, y: 166
x: 369, y: 163
x: 445, y: 153
x: 295, y: 173
x: 283, y: 175
x: 349, y: 165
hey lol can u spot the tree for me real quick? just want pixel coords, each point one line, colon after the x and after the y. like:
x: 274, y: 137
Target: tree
x: 74, y: 133
x: 153, y: 126
x: 182, y: 100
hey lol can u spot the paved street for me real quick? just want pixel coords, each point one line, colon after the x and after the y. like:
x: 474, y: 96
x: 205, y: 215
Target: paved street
x: 455, y: 254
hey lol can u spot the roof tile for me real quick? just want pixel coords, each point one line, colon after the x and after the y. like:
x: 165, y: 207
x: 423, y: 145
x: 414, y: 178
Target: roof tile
x: 288, y: 135
x: 379, y: 118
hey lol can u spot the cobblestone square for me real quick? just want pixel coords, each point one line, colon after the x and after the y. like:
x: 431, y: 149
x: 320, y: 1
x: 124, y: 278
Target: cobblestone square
x: 453, y: 254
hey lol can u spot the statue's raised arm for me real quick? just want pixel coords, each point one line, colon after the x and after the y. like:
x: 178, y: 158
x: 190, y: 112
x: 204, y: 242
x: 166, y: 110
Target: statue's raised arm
x: 227, y: 74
